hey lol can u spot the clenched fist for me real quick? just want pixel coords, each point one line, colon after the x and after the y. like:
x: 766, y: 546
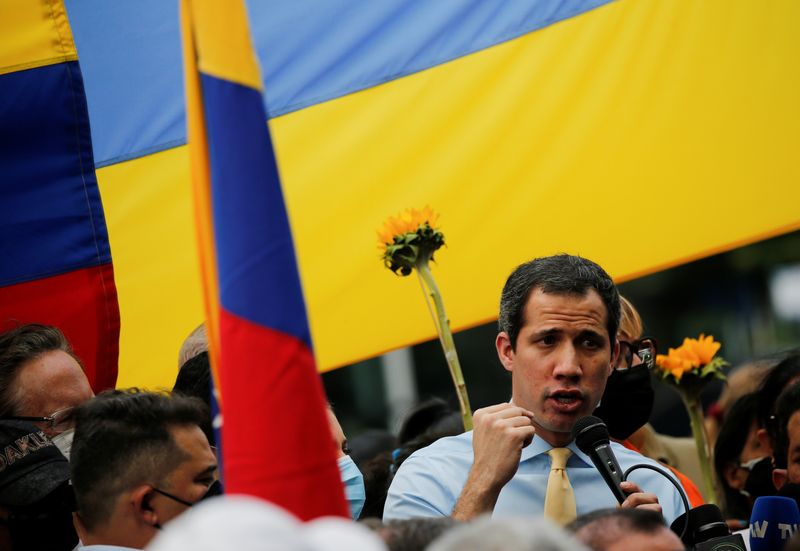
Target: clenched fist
x: 500, y: 432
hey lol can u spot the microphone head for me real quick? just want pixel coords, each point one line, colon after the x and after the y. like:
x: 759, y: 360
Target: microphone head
x: 772, y: 523
x: 589, y: 432
x: 705, y: 522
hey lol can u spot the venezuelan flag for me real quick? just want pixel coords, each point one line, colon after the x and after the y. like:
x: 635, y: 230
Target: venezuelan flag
x: 276, y: 440
x: 55, y: 259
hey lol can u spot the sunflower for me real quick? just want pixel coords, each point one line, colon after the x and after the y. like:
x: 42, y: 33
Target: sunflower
x: 693, y: 356
x: 409, y: 238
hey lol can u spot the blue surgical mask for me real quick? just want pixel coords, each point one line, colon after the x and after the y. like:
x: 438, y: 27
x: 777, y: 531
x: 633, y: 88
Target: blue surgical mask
x: 353, y: 482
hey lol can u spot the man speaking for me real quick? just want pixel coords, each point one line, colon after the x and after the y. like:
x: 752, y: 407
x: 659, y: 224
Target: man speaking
x: 558, y: 325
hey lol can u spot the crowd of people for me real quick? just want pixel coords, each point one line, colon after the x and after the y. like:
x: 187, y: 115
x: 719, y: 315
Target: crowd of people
x: 137, y: 469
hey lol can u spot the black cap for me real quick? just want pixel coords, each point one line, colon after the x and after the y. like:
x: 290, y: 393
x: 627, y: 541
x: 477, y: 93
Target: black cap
x: 31, y: 466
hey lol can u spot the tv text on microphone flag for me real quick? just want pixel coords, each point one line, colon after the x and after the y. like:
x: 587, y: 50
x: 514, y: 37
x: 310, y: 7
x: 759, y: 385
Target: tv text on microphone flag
x: 276, y: 440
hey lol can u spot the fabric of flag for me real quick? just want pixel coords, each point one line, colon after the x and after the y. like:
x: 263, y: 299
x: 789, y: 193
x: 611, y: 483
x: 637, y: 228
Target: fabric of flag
x: 533, y: 127
x: 277, y: 441
x: 55, y: 260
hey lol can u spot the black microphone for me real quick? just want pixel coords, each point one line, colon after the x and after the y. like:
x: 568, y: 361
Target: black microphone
x: 707, y: 530
x: 591, y: 436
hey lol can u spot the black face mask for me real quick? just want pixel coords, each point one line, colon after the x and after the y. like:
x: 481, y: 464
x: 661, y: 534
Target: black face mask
x: 627, y: 401
x: 215, y: 489
x: 759, y: 481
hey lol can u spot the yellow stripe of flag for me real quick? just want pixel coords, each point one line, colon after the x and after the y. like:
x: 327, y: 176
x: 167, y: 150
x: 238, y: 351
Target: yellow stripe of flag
x: 668, y: 128
x: 34, y: 33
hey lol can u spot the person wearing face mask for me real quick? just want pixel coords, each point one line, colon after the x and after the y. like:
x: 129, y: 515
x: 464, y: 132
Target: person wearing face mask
x: 352, y: 479
x: 739, y: 460
x: 139, y: 460
x: 41, y: 381
x: 194, y: 379
x: 628, y: 397
x: 36, y: 500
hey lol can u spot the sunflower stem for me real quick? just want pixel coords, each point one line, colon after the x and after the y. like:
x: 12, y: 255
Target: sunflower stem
x: 446, y: 338
x: 695, y: 410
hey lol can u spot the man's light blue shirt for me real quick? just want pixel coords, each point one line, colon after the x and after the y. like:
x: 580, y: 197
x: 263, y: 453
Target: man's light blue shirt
x: 429, y: 482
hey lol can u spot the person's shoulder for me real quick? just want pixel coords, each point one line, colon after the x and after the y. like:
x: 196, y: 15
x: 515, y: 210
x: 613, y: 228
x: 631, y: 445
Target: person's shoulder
x: 447, y: 455
x: 459, y: 445
x: 428, y: 483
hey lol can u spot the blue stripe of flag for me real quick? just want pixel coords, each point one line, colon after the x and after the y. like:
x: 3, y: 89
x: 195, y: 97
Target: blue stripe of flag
x: 257, y: 268
x: 311, y: 51
x: 51, y: 216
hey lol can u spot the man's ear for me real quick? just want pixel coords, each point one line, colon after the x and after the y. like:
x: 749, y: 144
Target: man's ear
x: 763, y: 439
x: 80, y: 528
x: 504, y: 350
x: 779, y: 477
x: 140, y: 501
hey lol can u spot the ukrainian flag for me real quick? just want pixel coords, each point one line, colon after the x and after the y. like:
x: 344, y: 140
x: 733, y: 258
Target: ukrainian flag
x: 666, y: 127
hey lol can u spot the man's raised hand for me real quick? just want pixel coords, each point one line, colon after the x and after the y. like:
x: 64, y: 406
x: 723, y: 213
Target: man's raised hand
x: 500, y: 432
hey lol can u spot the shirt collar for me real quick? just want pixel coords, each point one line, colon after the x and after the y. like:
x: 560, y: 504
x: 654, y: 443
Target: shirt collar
x: 539, y: 446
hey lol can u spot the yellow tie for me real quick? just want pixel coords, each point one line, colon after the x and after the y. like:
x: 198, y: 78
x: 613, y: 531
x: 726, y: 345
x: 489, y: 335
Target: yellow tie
x: 559, y: 501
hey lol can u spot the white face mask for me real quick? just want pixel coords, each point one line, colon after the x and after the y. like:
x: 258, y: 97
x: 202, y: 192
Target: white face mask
x: 63, y: 442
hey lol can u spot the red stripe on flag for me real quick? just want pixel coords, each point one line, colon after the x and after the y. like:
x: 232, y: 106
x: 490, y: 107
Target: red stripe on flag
x: 277, y: 441
x: 83, y: 304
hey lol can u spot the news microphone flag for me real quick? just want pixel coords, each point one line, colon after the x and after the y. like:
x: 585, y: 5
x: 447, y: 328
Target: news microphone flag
x: 277, y: 443
x: 773, y: 522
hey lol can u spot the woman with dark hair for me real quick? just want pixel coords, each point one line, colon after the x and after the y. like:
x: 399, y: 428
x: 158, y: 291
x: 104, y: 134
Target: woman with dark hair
x: 779, y: 378
x: 736, y: 452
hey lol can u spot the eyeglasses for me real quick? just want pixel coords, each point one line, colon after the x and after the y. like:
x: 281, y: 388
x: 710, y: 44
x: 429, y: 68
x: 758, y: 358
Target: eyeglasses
x: 59, y: 421
x: 645, y: 349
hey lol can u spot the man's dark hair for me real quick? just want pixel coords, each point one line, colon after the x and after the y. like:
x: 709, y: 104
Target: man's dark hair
x: 19, y: 346
x: 598, y: 529
x: 728, y: 448
x: 788, y: 404
x: 122, y: 440
x: 194, y: 379
x: 561, y: 274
